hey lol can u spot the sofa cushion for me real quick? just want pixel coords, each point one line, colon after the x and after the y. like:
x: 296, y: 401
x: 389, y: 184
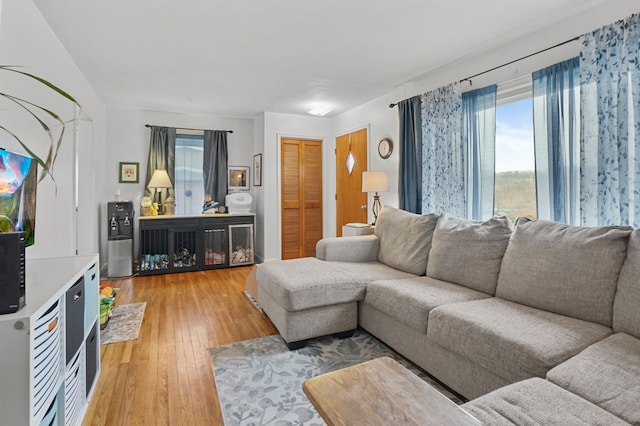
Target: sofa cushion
x: 468, y: 252
x: 569, y: 270
x: 308, y: 282
x: 537, y: 402
x: 410, y: 300
x: 626, y: 311
x: 514, y: 341
x: 607, y: 374
x: 405, y: 239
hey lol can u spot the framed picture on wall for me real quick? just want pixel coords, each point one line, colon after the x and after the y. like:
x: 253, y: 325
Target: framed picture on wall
x: 257, y: 170
x: 238, y: 178
x: 129, y: 172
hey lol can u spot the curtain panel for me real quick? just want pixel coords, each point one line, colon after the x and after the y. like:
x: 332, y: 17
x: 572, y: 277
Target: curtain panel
x: 556, y: 119
x: 479, y: 138
x: 410, y: 151
x: 443, y: 153
x: 214, y: 165
x: 610, y: 96
x: 162, y: 152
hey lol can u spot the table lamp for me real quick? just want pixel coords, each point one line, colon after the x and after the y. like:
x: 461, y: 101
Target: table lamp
x: 375, y: 182
x: 159, y: 180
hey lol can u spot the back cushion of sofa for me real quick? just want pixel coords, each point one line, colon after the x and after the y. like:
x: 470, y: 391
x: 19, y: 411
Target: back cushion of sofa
x: 405, y: 239
x: 569, y: 270
x: 626, y: 306
x: 469, y: 253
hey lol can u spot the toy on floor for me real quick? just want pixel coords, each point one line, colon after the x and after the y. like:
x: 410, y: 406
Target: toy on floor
x: 106, y: 298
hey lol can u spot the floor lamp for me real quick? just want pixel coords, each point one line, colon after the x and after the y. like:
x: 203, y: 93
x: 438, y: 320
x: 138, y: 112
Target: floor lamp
x: 375, y: 182
x: 159, y: 180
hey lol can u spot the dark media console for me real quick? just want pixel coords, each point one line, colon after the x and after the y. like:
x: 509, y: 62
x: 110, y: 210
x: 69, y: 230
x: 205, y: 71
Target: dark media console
x: 12, y: 272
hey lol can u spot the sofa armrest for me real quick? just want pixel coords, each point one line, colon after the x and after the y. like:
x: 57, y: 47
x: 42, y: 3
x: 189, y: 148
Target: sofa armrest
x: 362, y: 248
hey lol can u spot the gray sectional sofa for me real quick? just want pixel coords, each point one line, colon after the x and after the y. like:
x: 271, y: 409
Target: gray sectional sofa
x: 535, y: 322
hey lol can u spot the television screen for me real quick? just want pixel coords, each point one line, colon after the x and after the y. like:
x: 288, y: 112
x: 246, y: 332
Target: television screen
x: 18, y: 184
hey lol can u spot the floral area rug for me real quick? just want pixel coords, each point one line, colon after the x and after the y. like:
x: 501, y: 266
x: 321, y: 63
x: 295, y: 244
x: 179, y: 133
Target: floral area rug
x: 124, y: 324
x: 259, y: 382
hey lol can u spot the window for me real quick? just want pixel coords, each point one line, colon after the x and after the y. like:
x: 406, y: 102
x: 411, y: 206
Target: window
x: 515, y: 185
x: 189, y: 181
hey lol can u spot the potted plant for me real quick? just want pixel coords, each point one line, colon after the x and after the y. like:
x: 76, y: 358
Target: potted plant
x: 39, y: 114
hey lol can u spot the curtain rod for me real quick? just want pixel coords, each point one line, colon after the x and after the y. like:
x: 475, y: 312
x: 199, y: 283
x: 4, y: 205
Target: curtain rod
x: 186, y: 128
x: 511, y: 62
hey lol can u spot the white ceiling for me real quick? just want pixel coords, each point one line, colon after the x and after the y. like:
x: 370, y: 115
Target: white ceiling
x: 241, y: 57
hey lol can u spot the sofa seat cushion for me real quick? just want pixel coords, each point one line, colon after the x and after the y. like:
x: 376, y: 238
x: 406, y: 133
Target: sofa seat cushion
x: 607, y: 373
x: 514, y: 341
x: 468, y: 252
x: 405, y: 239
x: 626, y: 315
x: 537, y: 402
x: 410, y: 300
x: 308, y: 282
x: 569, y: 270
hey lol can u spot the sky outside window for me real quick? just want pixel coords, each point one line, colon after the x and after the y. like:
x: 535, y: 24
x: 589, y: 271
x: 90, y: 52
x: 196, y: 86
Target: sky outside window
x: 515, y: 191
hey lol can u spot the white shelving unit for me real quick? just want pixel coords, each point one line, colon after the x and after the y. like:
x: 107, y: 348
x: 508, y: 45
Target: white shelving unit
x: 37, y: 386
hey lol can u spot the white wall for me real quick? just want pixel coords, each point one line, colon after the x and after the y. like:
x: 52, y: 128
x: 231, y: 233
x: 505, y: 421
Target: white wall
x: 27, y: 40
x: 128, y: 141
x: 277, y: 126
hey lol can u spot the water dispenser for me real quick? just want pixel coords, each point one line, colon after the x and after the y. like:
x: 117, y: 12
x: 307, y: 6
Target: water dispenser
x: 120, y: 238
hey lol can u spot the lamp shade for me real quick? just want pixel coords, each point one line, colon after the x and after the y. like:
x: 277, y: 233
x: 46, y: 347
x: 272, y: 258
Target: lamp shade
x: 375, y: 182
x: 159, y: 179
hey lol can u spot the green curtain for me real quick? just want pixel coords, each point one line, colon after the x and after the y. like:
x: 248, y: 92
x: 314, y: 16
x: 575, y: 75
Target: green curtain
x: 214, y: 165
x: 162, y: 153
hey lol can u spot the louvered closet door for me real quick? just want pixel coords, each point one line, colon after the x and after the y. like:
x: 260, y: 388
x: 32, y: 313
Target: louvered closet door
x: 301, y: 188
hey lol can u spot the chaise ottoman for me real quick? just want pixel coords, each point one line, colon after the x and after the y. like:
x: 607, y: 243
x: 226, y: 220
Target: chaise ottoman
x: 309, y: 297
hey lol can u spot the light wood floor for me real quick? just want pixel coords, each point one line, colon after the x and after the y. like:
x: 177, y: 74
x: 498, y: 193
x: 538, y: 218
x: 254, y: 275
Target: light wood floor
x: 165, y: 376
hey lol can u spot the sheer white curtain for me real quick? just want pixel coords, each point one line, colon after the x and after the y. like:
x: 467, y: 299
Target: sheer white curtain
x: 556, y: 118
x: 479, y: 138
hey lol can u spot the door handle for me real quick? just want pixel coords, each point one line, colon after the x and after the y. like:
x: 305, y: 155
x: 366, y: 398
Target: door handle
x: 363, y: 207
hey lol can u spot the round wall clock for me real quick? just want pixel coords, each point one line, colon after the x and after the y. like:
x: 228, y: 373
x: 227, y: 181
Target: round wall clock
x: 385, y: 148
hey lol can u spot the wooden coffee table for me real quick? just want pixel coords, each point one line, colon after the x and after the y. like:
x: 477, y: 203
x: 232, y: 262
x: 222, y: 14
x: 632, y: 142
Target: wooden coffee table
x: 381, y: 392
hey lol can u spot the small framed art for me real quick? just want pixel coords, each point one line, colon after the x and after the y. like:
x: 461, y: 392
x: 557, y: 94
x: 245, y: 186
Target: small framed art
x: 129, y: 172
x: 238, y: 178
x: 257, y: 170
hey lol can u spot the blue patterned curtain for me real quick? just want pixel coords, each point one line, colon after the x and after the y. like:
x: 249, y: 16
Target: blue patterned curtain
x: 443, y: 154
x: 479, y: 137
x: 410, y: 149
x: 556, y: 119
x: 610, y: 95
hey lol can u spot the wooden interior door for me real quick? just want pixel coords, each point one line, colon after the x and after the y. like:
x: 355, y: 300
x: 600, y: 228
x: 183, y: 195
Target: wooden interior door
x: 301, y: 188
x: 351, y: 202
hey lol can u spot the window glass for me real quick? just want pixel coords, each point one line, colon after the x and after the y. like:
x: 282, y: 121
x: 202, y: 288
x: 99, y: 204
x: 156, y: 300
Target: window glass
x: 515, y: 160
x: 189, y: 182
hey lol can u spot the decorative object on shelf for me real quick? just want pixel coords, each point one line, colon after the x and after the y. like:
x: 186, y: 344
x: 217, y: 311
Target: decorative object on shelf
x: 145, y: 206
x: 238, y: 178
x: 129, y: 172
x: 159, y: 181
x: 257, y: 170
x: 385, y: 148
x: 375, y: 181
x: 209, y: 206
x: 169, y: 205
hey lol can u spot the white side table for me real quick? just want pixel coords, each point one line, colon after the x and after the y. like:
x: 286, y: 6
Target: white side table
x: 350, y: 231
